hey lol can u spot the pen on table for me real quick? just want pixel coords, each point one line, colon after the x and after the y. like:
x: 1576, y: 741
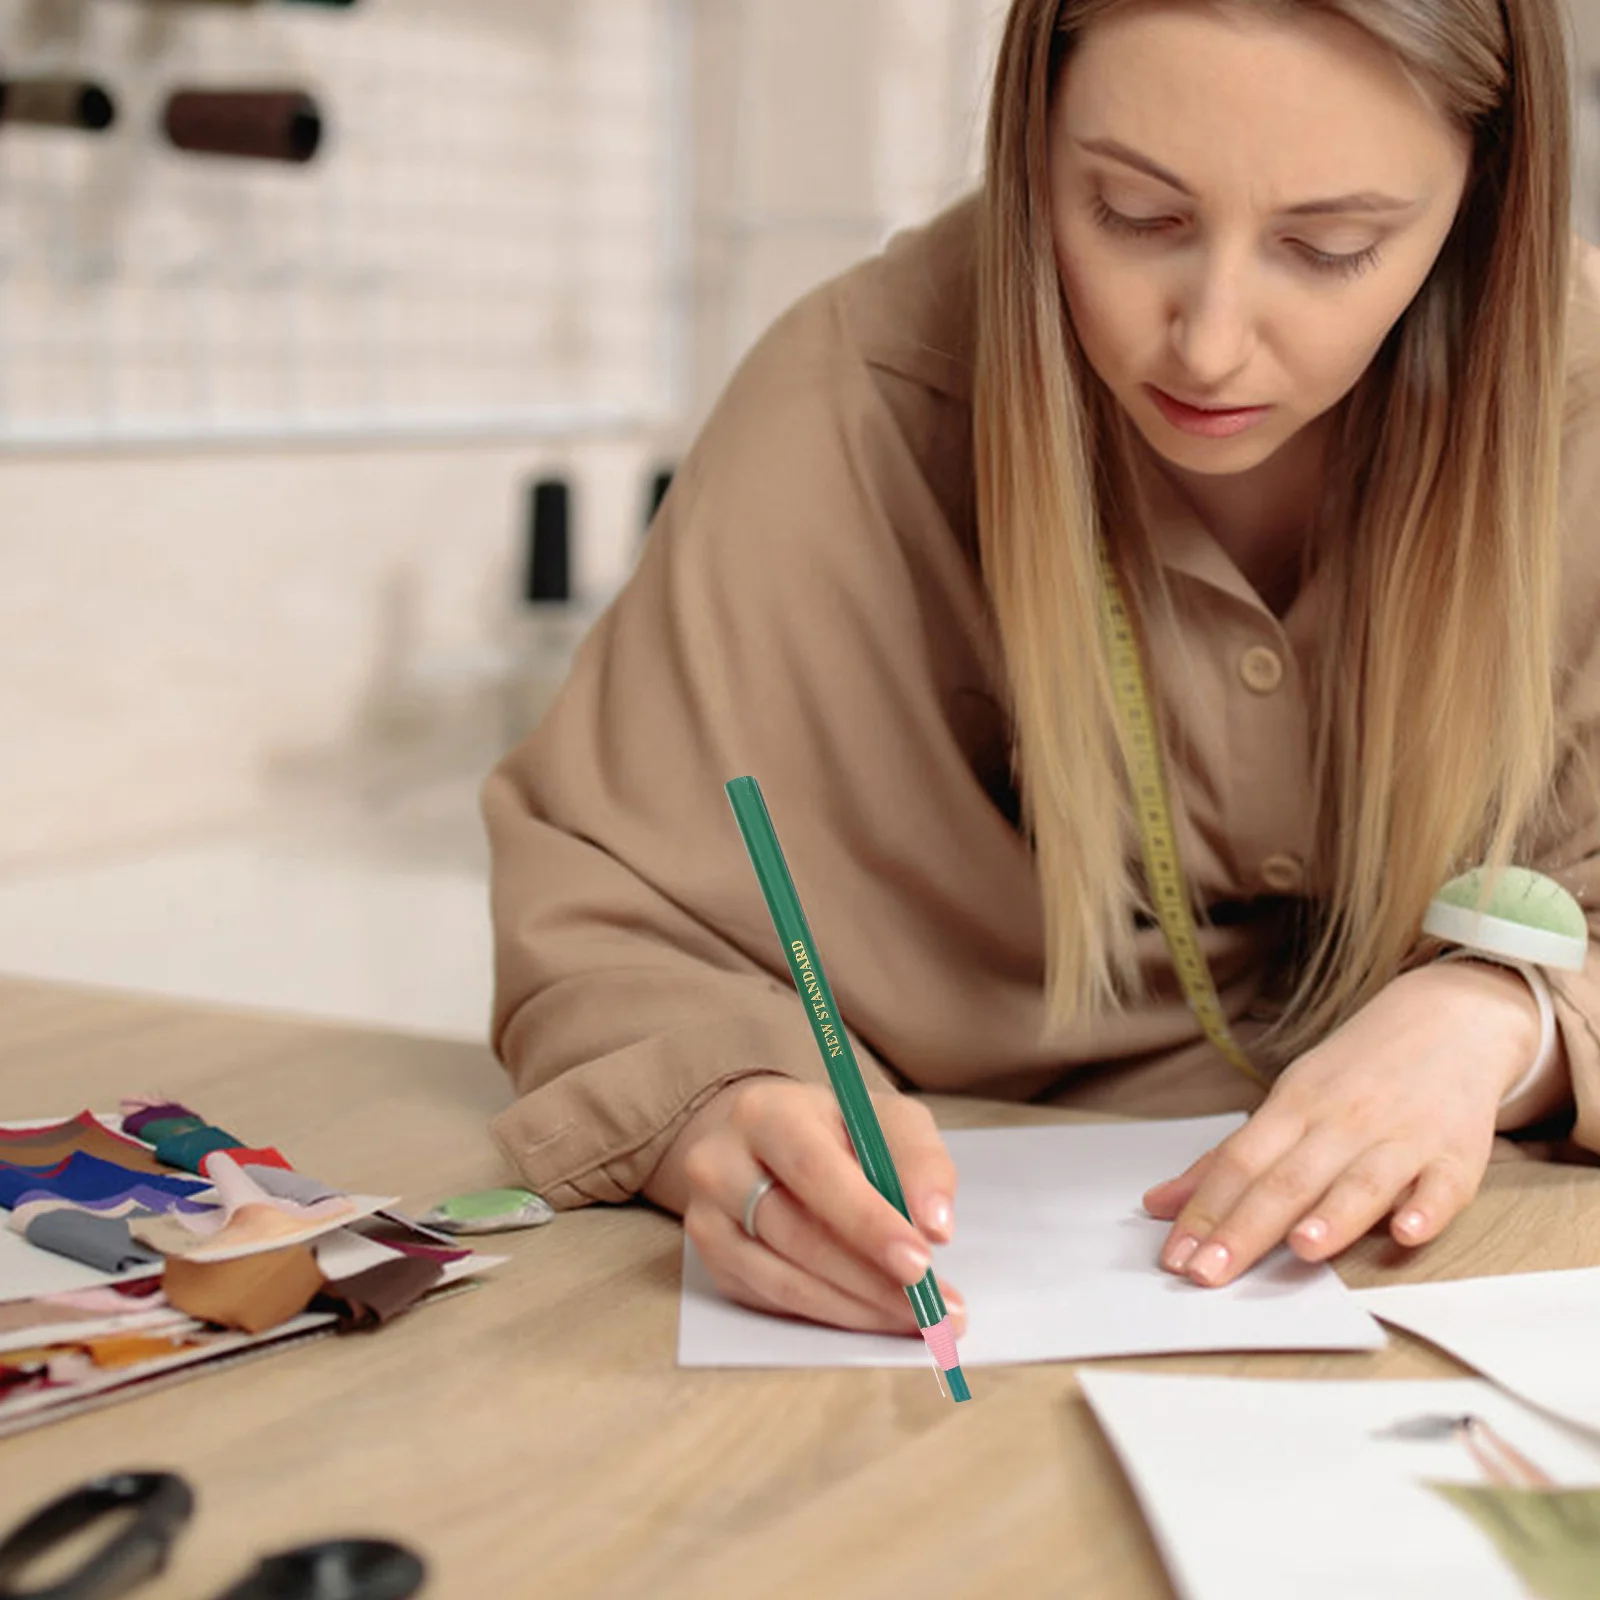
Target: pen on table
x: 860, y: 1120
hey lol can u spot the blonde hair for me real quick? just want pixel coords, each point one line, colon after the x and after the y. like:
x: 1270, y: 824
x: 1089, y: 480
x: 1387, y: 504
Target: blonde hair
x: 1444, y: 498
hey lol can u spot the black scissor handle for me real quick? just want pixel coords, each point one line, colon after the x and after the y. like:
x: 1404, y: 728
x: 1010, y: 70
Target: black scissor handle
x: 334, y: 1569
x: 161, y: 1502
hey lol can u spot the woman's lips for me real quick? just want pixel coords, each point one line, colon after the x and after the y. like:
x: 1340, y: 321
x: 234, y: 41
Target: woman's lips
x: 1207, y: 423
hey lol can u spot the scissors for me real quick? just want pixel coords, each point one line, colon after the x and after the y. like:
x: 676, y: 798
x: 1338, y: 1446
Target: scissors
x: 157, y: 1505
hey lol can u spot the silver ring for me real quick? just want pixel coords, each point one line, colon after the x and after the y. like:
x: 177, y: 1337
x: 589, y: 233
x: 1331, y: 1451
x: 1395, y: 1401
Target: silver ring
x: 758, y: 1191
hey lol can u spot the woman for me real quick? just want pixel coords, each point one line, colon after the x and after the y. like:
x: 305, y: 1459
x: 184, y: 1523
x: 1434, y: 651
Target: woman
x: 1277, y: 304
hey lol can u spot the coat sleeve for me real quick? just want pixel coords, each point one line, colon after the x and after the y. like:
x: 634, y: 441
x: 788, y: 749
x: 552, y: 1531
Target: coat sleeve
x: 777, y: 625
x: 1568, y: 848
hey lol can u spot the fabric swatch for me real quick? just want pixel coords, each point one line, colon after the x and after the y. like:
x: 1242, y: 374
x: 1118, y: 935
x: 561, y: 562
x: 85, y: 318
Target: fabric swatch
x: 381, y: 1293
x: 85, y: 1178
x: 253, y: 1292
x: 140, y: 1198
x: 265, y: 1156
x: 85, y: 1133
x: 443, y: 1254
x: 19, y: 1380
x: 182, y: 1138
x: 17, y: 1316
x: 109, y: 1299
x: 103, y: 1243
x: 138, y: 1109
x: 249, y: 1229
x: 285, y: 1183
x: 133, y: 1349
x: 188, y: 1147
x: 247, y: 1218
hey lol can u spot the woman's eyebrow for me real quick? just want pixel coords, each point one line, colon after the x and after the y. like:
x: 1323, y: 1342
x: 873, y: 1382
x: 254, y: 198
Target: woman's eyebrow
x: 1366, y: 200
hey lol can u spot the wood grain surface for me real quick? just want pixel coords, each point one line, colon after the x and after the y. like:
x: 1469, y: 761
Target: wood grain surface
x: 534, y: 1437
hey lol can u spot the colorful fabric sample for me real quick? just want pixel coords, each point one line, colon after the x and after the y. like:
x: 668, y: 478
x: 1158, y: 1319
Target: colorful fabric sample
x: 138, y: 1109
x: 378, y: 1295
x: 182, y: 1138
x: 103, y: 1243
x: 133, y: 1349
x: 139, y: 1199
x: 253, y: 1293
x: 84, y: 1179
x: 285, y: 1183
x: 266, y: 1156
x: 247, y: 1218
x: 186, y: 1147
x: 17, y: 1316
x: 85, y: 1133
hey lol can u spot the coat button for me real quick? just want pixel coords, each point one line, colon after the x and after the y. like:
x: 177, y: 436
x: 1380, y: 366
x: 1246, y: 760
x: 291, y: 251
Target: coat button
x: 1261, y: 669
x: 1283, y: 873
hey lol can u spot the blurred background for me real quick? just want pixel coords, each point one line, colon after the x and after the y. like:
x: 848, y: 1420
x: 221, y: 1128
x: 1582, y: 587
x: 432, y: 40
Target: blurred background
x: 312, y: 313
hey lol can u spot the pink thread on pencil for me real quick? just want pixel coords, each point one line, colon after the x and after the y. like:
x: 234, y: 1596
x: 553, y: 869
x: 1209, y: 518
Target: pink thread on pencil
x: 942, y: 1342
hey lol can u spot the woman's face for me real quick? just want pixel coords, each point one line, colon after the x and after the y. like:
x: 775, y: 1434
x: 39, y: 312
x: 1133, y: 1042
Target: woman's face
x: 1243, y: 209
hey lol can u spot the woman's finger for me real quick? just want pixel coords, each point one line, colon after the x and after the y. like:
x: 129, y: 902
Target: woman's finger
x: 812, y: 1158
x: 1167, y: 1199
x: 797, y: 1236
x: 1234, y: 1166
x: 1443, y: 1191
x: 749, y: 1273
x: 923, y: 1161
x: 1356, y: 1201
x: 1266, y: 1208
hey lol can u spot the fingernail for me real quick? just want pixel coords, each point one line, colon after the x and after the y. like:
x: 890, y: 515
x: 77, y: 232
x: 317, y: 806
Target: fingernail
x: 1312, y: 1231
x: 908, y: 1263
x: 957, y: 1307
x: 1410, y: 1222
x: 939, y: 1215
x: 1176, y: 1256
x: 1210, y: 1264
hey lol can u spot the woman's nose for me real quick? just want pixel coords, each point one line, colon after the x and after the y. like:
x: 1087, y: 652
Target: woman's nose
x: 1212, y: 333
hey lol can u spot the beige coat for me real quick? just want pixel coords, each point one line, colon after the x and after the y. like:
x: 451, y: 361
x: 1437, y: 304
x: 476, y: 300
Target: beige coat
x: 809, y: 610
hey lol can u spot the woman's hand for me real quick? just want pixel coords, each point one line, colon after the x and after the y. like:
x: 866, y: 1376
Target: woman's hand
x: 831, y: 1248
x: 1393, y: 1112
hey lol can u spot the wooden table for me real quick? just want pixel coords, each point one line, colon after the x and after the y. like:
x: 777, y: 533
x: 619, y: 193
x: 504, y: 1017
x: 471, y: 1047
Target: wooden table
x: 534, y: 1437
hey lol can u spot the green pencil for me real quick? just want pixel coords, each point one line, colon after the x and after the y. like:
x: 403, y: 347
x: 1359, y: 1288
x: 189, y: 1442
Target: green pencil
x: 844, y: 1072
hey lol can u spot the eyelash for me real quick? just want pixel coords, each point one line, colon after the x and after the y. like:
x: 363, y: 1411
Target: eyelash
x: 1344, y: 266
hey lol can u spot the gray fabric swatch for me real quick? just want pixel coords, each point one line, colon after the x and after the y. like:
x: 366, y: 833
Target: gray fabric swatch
x: 282, y: 1184
x: 100, y: 1242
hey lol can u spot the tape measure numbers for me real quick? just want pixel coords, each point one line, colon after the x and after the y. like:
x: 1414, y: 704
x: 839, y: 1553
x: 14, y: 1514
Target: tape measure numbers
x: 1156, y: 834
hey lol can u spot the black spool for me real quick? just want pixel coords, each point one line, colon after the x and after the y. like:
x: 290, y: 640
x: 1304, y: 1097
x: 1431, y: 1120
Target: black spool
x: 547, y: 575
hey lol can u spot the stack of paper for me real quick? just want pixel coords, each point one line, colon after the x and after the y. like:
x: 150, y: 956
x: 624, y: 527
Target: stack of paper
x: 1057, y: 1260
x: 1261, y: 1490
x: 1532, y: 1333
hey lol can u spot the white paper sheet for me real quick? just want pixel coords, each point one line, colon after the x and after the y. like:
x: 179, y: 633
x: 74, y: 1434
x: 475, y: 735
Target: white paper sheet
x: 1532, y: 1333
x: 1056, y: 1260
x: 1259, y: 1489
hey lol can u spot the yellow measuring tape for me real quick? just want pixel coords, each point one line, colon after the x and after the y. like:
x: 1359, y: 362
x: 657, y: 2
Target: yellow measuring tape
x: 1156, y: 833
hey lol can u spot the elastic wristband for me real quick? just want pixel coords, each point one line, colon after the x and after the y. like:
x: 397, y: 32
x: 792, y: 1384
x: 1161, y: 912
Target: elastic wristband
x: 1547, y: 1013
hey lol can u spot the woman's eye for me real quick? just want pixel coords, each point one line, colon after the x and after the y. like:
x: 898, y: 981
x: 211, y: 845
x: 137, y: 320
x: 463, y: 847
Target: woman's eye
x: 1115, y: 222
x: 1348, y: 266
